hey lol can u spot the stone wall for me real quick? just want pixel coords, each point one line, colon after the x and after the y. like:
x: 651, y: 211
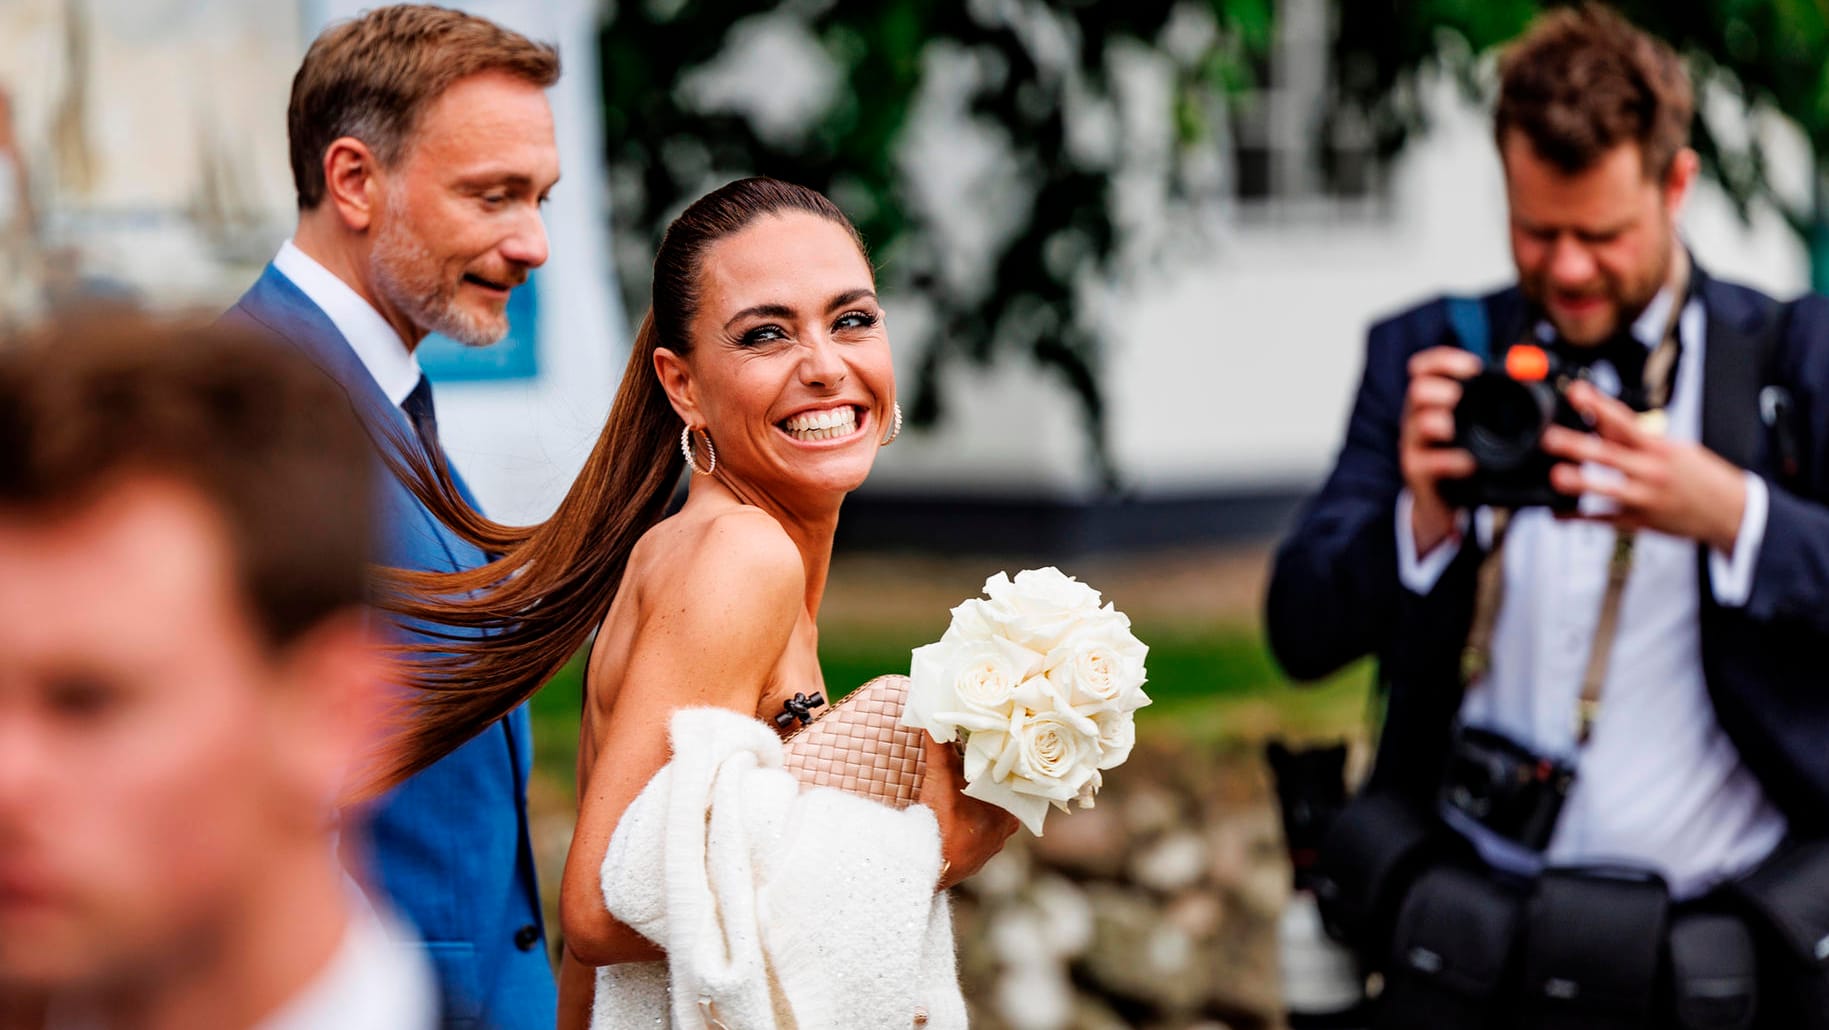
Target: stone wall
x: 1157, y: 908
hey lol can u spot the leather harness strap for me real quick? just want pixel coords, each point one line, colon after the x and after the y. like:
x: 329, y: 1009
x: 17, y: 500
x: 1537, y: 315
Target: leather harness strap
x: 1476, y: 657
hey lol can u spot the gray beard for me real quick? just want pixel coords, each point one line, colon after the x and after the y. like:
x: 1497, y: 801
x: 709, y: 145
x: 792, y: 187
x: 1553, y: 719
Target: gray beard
x: 428, y: 302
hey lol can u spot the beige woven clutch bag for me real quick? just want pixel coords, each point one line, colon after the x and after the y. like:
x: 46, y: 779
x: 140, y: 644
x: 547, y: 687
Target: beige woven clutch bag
x: 861, y: 747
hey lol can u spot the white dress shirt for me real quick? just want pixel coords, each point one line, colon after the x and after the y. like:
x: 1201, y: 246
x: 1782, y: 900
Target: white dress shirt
x: 382, y: 351
x: 378, y: 979
x: 1659, y: 783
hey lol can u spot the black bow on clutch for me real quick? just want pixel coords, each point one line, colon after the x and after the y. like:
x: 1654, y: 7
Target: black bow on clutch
x: 799, y: 707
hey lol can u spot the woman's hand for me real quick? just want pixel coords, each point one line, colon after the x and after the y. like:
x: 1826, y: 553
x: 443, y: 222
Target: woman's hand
x: 971, y: 831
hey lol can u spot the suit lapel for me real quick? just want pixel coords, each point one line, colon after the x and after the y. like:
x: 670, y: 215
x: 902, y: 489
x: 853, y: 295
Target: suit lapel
x: 1731, y: 372
x: 281, y: 306
x: 277, y: 303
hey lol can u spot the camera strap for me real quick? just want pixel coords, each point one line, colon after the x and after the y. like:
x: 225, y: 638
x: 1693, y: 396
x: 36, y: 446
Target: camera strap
x: 1489, y: 589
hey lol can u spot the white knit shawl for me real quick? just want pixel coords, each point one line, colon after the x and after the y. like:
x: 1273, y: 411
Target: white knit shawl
x: 779, y: 909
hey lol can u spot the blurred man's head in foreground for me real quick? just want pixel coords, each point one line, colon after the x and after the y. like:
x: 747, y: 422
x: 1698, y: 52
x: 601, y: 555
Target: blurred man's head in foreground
x: 1593, y: 126
x: 185, y: 672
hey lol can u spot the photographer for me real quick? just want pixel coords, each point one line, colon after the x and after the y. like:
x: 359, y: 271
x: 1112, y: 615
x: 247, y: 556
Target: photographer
x: 1581, y: 524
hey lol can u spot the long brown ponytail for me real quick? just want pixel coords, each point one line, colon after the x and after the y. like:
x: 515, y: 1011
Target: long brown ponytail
x: 501, y: 630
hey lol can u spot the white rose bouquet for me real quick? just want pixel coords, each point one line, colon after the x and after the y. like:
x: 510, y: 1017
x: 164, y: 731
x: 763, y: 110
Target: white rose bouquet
x: 1040, y: 683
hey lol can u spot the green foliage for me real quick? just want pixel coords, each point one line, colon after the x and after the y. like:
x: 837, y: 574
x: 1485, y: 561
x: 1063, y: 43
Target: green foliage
x: 1766, y: 55
x: 1037, y: 65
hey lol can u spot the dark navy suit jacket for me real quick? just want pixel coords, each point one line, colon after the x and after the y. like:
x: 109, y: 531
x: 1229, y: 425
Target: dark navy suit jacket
x: 450, y: 844
x: 1334, y: 593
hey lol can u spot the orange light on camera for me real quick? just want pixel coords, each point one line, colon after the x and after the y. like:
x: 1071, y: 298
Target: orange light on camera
x: 1528, y: 363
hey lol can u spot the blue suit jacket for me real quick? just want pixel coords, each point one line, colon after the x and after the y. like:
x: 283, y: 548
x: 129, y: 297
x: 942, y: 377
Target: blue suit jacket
x: 450, y: 845
x: 1334, y: 593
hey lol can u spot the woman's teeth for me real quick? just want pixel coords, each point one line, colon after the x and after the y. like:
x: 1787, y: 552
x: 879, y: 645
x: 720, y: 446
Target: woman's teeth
x: 822, y: 425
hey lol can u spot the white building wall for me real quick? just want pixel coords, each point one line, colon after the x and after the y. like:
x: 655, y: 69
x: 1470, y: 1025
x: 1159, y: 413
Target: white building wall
x: 1237, y: 369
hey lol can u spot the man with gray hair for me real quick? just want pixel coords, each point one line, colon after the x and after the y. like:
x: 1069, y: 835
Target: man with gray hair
x: 422, y: 150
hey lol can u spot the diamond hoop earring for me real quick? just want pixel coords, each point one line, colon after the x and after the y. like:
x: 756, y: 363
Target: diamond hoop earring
x: 711, y: 453
x: 895, y: 428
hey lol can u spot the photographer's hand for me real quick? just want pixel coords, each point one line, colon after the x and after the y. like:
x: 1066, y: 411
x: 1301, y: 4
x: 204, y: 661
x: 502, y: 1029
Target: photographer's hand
x: 1427, y: 429
x: 1679, y: 488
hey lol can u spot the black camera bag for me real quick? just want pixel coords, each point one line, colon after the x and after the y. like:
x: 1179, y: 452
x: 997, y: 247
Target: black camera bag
x: 1593, y: 946
x: 1788, y: 900
x: 1450, y: 952
x: 1714, y: 973
x: 1368, y: 858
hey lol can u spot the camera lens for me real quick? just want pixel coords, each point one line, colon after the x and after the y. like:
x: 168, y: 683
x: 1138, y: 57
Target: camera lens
x: 1476, y: 787
x: 1499, y: 419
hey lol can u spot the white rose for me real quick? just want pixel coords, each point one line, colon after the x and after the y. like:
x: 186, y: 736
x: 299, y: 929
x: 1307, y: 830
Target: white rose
x: 1039, y: 607
x: 990, y: 758
x: 974, y: 619
x: 1057, y: 754
x: 1034, y: 761
x: 987, y: 676
x: 1039, y: 681
x: 1099, y: 665
x: 964, y: 684
x: 1117, y: 735
x: 1045, y: 587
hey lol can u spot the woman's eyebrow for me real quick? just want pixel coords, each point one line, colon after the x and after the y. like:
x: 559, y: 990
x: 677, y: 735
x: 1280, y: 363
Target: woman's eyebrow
x: 785, y: 312
x: 849, y: 297
x: 761, y: 311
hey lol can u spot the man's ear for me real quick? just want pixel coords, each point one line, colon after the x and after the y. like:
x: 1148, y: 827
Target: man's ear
x: 352, y: 182
x: 676, y: 378
x: 329, y: 705
x: 1682, y: 175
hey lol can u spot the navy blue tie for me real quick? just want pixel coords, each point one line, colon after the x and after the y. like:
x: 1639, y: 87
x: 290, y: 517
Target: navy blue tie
x: 419, y: 411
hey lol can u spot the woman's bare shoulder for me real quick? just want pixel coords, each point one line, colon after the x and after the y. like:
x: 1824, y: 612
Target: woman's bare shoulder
x: 743, y: 555
x: 729, y: 562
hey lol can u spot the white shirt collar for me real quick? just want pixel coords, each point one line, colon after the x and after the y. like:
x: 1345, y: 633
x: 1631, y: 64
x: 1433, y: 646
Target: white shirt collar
x: 377, y: 980
x: 1648, y: 327
x: 393, y: 365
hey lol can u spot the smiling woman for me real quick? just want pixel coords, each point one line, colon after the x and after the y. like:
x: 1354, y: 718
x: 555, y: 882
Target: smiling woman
x: 764, y: 362
x: 795, y: 350
x: 764, y: 317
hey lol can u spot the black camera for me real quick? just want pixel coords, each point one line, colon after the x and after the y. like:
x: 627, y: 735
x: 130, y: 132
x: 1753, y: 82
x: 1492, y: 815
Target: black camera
x: 1506, y: 787
x: 1500, y: 420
